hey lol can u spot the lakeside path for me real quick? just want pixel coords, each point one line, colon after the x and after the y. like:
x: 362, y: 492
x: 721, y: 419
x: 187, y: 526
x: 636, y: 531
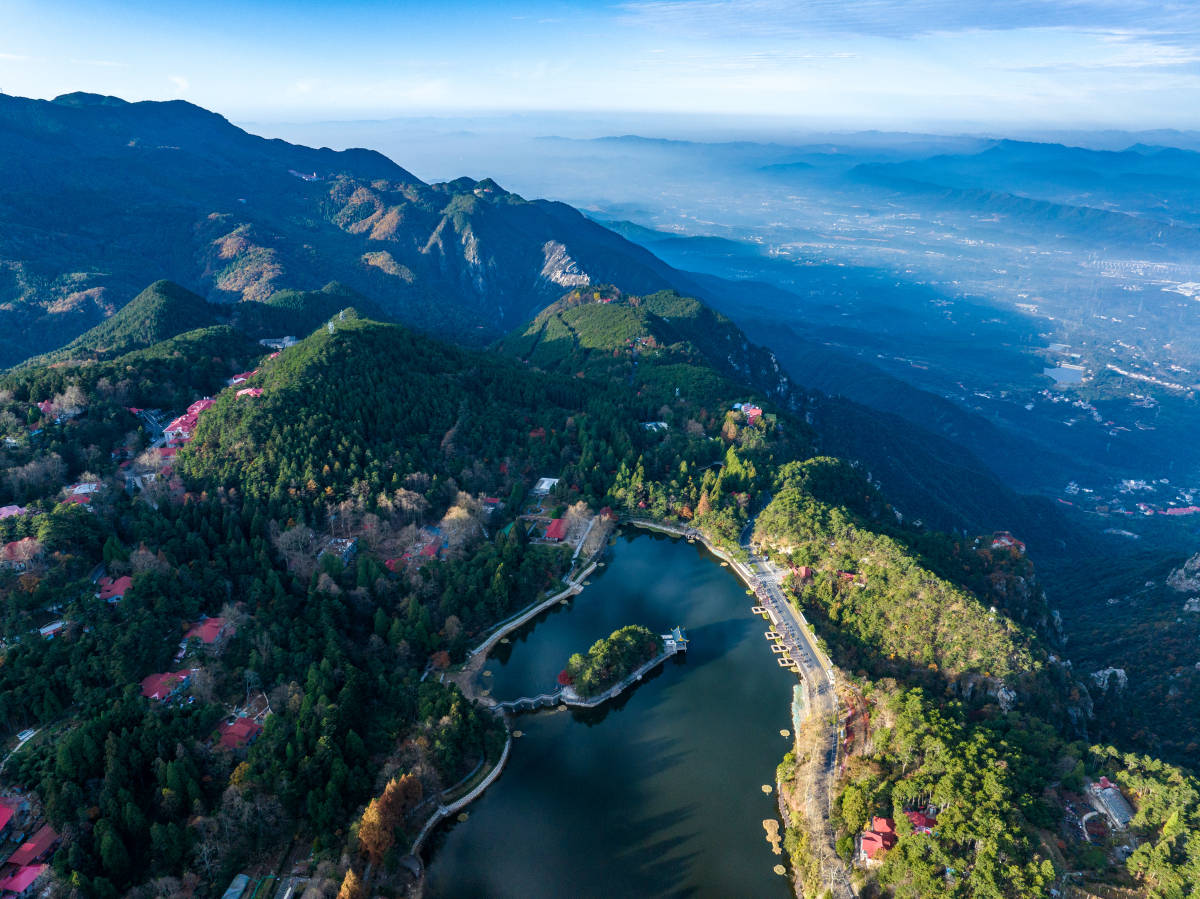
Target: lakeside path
x: 821, y: 709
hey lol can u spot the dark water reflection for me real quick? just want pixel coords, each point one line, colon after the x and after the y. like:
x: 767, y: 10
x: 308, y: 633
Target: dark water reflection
x: 656, y: 794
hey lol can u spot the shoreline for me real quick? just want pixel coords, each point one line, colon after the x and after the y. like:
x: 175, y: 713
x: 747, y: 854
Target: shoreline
x: 466, y: 675
x: 464, y: 678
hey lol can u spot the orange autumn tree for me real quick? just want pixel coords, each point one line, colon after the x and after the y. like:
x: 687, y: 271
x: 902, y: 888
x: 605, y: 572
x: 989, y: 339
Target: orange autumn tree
x: 377, y: 828
x: 375, y: 837
x: 400, y: 796
x: 351, y: 887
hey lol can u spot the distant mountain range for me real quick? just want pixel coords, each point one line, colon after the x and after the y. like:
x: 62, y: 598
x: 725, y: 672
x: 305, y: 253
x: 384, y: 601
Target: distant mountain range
x: 244, y: 231
x: 99, y: 194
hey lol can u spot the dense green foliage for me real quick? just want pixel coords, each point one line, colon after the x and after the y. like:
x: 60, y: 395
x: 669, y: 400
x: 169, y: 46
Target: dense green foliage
x: 611, y: 660
x: 367, y: 430
x: 159, y: 312
x: 663, y: 344
x: 984, y: 779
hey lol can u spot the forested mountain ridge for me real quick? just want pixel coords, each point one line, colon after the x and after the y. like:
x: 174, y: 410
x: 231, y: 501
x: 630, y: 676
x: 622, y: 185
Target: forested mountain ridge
x: 165, y: 310
x: 647, y: 340
x: 371, y: 432
x: 100, y: 193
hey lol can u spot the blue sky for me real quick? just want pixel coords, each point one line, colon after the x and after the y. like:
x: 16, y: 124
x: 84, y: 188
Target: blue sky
x: 870, y: 63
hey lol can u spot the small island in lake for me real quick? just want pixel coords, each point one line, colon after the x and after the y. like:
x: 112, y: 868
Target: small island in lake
x: 611, y: 659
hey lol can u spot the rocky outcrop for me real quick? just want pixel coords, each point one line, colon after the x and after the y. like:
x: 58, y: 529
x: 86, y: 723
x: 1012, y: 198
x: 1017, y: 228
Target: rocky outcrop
x: 1186, y: 578
x: 1111, y: 678
x: 560, y: 268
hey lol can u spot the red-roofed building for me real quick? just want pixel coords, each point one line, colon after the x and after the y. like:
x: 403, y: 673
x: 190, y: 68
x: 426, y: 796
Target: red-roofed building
x: 392, y: 565
x: 201, y: 405
x: 207, y: 630
x: 168, y: 452
x: 557, y: 531
x: 1181, y: 510
x: 752, y: 413
x: 1005, y: 540
x: 162, y: 687
x: 880, y: 838
x: 250, y: 391
x: 242, y: 377
x: 921, y: 822
x: 804, y: 573
x: 37, y: 848
x: 114, y: 590
x: 241, y: 732
x: 6, y: 815
x: 430, y: 550
x: 20, y: 883
x: 537, y: 433
x: 181, y: 428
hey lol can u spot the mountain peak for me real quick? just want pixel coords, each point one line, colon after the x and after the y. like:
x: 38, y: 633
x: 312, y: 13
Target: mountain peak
x: 83, y: 98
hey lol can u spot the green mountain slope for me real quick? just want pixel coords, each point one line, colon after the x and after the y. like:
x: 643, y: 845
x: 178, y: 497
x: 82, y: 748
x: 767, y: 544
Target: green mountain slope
x: 161, y: 311
x: 371, y: 431
x: 656, y: 342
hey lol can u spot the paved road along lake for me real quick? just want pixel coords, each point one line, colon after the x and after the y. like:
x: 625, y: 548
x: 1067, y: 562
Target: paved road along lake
x: 658, y: 793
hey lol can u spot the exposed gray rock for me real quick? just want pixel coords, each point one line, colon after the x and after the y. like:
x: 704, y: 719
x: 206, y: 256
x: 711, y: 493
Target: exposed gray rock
x: 1186, y: 578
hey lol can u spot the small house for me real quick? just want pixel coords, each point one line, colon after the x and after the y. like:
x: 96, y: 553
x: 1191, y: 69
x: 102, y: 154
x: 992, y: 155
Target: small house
x: 921, y: 822
x: 1113, y: 803
x: 239, y: 732
x: 544, y: 486
x: 250, y: 391
x: 36, y: 849
x: 1004, y: 540
x: 161, y: 687
x: 241, y: 377
x: 209, y: 631
x: 880, y: 838
x: 21, y: 882
x: 557, y: 530
x: 114, y: 590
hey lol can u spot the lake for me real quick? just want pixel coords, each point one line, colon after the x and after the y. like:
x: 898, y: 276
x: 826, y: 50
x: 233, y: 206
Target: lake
x: 658, y: 793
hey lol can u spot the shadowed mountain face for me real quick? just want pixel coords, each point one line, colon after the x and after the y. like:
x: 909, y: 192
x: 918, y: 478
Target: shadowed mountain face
x: 101, y: 195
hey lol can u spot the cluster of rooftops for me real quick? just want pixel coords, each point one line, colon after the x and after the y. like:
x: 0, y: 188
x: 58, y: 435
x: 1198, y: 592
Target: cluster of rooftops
x: 21, y: 870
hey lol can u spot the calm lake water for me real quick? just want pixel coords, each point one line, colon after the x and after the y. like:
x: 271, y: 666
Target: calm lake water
x: 658, y: 793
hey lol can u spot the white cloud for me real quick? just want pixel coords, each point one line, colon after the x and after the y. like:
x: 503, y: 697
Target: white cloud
x: 181, y: 84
